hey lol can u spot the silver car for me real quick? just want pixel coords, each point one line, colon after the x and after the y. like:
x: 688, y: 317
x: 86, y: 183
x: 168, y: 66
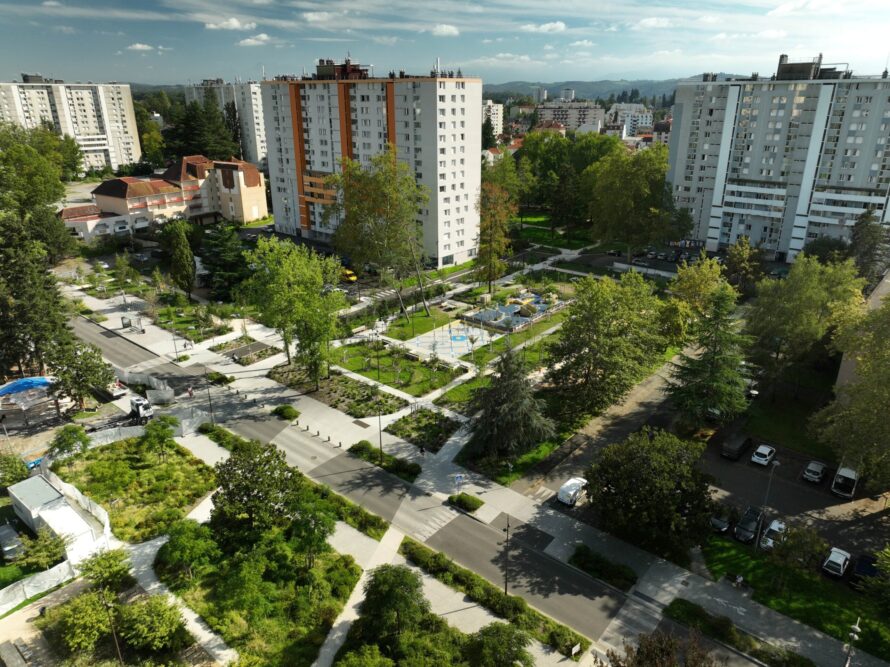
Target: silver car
x: 10, y: 544
x: 814, y: 472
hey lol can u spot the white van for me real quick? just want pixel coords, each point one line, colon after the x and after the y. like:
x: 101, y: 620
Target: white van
x: 571, y: 491
x: 845, y: 481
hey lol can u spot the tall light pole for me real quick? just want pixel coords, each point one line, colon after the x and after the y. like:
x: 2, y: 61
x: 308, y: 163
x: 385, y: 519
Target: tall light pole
x: 377, y: 343
x: 209, y: 400
x: 507, y: 555
x: 854, y: 636
x: 769, y: 483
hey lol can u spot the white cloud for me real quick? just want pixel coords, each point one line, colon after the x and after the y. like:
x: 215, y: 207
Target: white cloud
x: 319, y: 17
x: 707, y: 19
x: 118, y: 53
x: 504, y: 59
x: 548, y: 47
x: 138, y: 46
x: 553, y: 26
x: 385, y: 40
x: 446, y: 30
x: 50, y: 3
x: 612, y: 28
x: 65, y: 29
x: 582, y: 42
x: 256, y: 40
x: 162, y: 49
x: 653, y: 22
x: 805, y: 7
x: 231, y: 23
x: 771, y: 34
x: 487, y: 41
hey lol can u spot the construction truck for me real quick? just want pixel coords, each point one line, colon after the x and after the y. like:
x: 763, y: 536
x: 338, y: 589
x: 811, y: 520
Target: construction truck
x: 141, y: 410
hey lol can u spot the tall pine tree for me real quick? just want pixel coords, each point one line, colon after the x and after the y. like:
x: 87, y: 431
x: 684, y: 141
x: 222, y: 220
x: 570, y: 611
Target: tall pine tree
x: 495, y: 212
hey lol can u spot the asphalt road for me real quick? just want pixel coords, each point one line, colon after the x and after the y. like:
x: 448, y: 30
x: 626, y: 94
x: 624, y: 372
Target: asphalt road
x: 116, y: 349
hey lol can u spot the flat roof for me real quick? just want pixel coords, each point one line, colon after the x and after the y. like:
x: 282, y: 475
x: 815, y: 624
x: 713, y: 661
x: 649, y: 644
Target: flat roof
x: 35, y: 492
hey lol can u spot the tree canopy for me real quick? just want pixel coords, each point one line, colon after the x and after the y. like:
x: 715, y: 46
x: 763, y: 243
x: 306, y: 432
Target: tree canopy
x: 495, y: 212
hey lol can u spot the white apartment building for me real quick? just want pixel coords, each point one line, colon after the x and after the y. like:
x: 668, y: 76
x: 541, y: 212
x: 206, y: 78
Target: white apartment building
x: 248, y: 100
x: 496, y: 113
x: 572, y: 115
x: 434, y: 122
x: 99, y: 116
x: 633, y: 116
x: 782, y: 160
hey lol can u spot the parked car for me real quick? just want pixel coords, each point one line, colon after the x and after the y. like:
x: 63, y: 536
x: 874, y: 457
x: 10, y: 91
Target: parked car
x: 571, y: 491
x: 640, y: 262
x: 735, y: 447
x: 837, y: 562
x: 721, y: 520
x: 10, y: 544
x: 662, y: 256
x: 684, y: 256
x: 845, y: 481
x: 772, y: 534
x: 651, y: 255
x: 613, y: 253
x: 865, y: 567
x: 747, y: 527
x: 814, y: 472
x: 348, y: 276
x: 763, y: 454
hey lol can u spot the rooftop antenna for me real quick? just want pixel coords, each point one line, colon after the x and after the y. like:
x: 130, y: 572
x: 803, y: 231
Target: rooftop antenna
x: 264, y: 72
x: 438, y: 67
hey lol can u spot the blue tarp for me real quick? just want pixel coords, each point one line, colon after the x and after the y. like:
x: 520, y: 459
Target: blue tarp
x: 18, y: 386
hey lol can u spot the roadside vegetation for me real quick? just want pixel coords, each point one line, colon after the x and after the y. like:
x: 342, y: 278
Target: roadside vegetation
x: 424, y: 428
x: 353, y: 397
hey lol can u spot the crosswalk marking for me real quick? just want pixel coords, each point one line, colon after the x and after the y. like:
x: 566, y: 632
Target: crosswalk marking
x: 434, y: 521
x: 540, y: 494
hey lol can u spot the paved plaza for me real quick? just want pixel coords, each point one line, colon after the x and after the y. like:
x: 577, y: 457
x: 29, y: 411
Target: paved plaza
x: 453, y: 340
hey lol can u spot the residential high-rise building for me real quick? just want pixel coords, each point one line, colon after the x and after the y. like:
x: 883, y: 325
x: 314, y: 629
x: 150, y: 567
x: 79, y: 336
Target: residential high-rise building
x: 782, y: 160
x: 248, y: 100
x: 99, y: 116
x: 540, y: 94
x: 632, y: 115
x: 496, y: 113
x: 572, y: 115
x: 568, y: 94
x: 434, y: 122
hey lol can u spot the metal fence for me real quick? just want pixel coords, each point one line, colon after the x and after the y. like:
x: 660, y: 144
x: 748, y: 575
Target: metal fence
x: 109, y: 435
x: 24, y: 589
x: 159, y: 392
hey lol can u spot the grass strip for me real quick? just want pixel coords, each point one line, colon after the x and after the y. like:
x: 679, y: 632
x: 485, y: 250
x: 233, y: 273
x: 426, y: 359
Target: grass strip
x: 407, y: 470
x: 599, y: 567
x: 509, y: 607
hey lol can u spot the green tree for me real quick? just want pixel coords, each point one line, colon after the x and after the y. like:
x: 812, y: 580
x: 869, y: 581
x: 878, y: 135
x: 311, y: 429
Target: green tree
x: 377, y: 212
x: 789, y: 317
x: 43, y: 551
x: 219, y: 144
x: 153, y: 144
x: 311, y: 527
x: 153, y: 623
x: 233, y: 125
x: 290, y: 287
x: 503, y: 174
x: 158, y: 436
x: 801, y: 549
x: 870, y: 246
x: 45, y: 226
x: 83, y: 621
x: 394, y: 603
x: 744, y: 265
x: 182, y: 261
x: 29, y: 179
x: 709, y: 383
x: 70, y: 439
x: 854, y: 423
x: 511, y: 419
x: 256, y: 489
x: 827, y: 249
x: 659, y: 649
x: 79, y: 368
x: 107, y: 570
x: 224, y: 259
x: 610, y: 337
x: 12, y: 470
x: 366, y: 656
x: 528, y: 184
x: 190, y: 551
x: 878, y: 587
x: 499, y: 645
x: 697, y: 283
x: 650, y: 491
x: 495, y: 212
x: 488, y: 138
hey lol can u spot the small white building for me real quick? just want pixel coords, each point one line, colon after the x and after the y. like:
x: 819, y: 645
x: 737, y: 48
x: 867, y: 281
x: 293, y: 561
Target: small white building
x: 39, y: 504
x: 496, y: 113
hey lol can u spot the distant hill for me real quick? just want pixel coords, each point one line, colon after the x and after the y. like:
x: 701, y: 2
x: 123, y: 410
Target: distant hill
x: 593, y: 89
x: 143, y: 88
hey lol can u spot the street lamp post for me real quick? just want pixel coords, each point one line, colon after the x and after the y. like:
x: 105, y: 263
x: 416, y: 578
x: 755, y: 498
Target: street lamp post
x: 209, y: 400
x: 769, y: 483
x: 507, y: 555
x: 376, y: 339
x: 854, y: 636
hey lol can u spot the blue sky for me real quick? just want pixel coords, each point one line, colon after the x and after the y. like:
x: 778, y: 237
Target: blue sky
x: 174, y: 41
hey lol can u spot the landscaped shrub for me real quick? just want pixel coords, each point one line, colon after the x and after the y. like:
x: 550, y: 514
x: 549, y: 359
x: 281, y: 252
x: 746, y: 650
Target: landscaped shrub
x: 513, y: 608
x: 216, y: 377
x: 407, y: 470
x: 287, y: 412
x: 466, y: 502
x: 425, y: 428
x: 619, y: 575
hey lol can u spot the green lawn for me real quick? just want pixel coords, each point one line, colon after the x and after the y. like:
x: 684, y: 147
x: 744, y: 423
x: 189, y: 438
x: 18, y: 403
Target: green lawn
x: 181, y: 320
x: 112, y: 288
x: 418, y: 323
x: 533, y: 220
x: 458, y: 398
x: 585, y: 268
x: 783, y: 421
x: 262, y: 222
x: 542, y: 236
x: 395, y: 368
x: 353, y: 397
x: 827, y: 605
x: 487, y: 352
x: 142, y: 493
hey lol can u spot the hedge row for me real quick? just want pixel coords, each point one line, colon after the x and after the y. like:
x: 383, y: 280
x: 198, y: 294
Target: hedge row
x: 466, y: 502
x: 723, y: 629
x: 617, y: 574
x: 407, y: 470
x: 345, y: 510
x: 510, y: 607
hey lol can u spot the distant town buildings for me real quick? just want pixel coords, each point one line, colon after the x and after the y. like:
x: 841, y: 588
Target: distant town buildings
x: 568, y: 95
x: 196, y: 189
x: 496, y: 113
x: 540, y: 95
x: 633, y: 116
x: 433, y: 121
x: 99, y: 116
x: 550, y: 126
x: 782, y: 160
x: 248, y: 100
x: 572, y: 115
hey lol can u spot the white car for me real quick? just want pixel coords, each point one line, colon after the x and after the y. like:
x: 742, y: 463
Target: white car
x: 837, y: 562
x: 569, y: 492
x: 772, y: 534
x: 763, y: 455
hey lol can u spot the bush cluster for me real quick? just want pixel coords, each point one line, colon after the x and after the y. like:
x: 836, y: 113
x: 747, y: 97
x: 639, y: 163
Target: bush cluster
x: 617, y: 574
x: 466, y: 502
x: 287, y: 412
x: 510, y: 607
x: 216, y: 377
x: 407, y: 470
